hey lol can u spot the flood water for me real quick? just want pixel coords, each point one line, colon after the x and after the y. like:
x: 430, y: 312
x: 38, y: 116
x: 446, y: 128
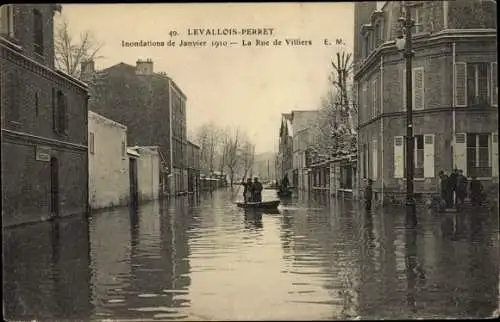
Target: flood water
x: 204, y: 259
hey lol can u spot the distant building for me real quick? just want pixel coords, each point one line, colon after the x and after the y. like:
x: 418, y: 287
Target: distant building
x: 285, y: 148
x: 152, y: 107
x: 109, y: 183
x: 44, y: 121
x: 193, y: 167
x: 304, y: 125
x: 455, y: 94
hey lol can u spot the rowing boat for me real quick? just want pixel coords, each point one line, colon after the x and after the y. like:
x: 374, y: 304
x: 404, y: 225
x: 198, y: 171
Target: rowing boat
x: 286, y: 193
x: 259, y: 205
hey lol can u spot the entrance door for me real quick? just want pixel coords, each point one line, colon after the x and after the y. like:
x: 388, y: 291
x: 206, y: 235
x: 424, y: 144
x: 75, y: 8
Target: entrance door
x: 54, y: 187
x: 134, y: 200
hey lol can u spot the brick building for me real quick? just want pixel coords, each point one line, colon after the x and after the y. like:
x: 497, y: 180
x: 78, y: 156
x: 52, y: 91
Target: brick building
x: 152, y: 107
x: 44, y: 121
x: 455, y: 93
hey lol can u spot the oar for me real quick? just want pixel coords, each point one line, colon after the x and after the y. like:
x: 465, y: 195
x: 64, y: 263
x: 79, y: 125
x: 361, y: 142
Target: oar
x: 239, y: 185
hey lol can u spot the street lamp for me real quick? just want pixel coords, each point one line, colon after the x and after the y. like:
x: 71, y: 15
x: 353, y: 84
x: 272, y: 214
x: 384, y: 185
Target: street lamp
x: 405, y: 43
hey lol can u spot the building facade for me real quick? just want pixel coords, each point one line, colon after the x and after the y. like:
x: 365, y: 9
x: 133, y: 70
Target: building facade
x: 43, y: 120
x: 284, y: 159
x: 148, y: 172
x: 304, y: 125
x: 152, y: 107
x: 455, y: 94
x: 109, y: 184
x: 193, y: 166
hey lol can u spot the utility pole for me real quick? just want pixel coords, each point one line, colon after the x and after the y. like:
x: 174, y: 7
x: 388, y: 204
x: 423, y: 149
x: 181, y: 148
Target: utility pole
x: 408, y: 24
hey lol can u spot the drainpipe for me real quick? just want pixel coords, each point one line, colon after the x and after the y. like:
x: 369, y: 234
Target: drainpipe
x: 382, y: 124
x: 453, y: 107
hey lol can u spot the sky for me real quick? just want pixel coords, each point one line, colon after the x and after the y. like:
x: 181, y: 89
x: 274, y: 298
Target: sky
x: 238, y: 86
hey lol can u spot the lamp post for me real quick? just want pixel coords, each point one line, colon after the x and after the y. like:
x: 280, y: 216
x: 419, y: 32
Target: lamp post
x: 405, y: 44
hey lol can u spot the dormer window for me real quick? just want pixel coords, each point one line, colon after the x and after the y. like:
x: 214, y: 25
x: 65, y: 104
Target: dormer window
x: 38, y: 31
x: 7, y: 20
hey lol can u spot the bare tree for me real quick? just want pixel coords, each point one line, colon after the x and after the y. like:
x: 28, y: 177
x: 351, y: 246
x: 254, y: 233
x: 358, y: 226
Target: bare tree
x: 336, y: 128
x: 71, y: 52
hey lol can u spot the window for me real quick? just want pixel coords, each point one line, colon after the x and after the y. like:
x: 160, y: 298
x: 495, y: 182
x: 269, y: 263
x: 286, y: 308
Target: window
x: 60, y: 117
x: 423, y: 156
x: 366, y: 46
x: 36, y: 103
x: 38, y: 31
x: 419, y: 156
x: 374, y: 98
x: 7, y: 20
x: 418, y: 88
x: 416, y: 15
x: 477, y: 84
x: 13, y: 93
x: 478, y: 155
x: 365, y: 161
x: 91, y: 143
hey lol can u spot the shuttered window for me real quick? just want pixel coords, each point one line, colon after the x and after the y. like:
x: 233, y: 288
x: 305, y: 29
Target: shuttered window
x: 429, y: 171
x: 398, y: 157
x: 91, y: 143
x: 494, y: 154
x: 494, y: 84
x: 374, y: 160
x: 459, y: 152
x: 418, y: 88
x: 365, y: 102
x: 374, y: 99
x: 55, y: 119
x: 15, y: 87
x: 7, y: 20
x: 460, y: 84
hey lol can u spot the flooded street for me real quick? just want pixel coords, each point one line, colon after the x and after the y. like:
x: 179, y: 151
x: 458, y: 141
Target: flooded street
x: 188, y: 259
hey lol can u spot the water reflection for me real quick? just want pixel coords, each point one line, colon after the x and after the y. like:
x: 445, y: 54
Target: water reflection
x: 202, y: 258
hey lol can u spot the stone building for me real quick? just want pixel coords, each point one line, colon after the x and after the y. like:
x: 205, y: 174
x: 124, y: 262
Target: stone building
x: 109, y: 184
x: 455, y: 94
x: 44, y: 121
x: 152, y: 107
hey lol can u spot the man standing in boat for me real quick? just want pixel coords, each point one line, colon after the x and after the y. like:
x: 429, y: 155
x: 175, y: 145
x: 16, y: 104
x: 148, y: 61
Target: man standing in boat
x: 285, y: 183
x: 247, y: 190
x: 257, y: 190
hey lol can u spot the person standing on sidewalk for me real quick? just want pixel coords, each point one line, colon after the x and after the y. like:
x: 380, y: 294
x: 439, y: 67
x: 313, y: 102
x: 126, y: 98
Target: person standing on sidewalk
x: 368, y: 195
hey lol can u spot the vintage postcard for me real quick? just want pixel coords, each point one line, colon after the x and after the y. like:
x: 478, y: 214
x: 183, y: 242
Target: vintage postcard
x: 249, y: 161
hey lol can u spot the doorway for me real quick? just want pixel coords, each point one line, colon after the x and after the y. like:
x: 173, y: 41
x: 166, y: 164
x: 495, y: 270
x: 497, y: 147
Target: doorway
x: 54, y: 187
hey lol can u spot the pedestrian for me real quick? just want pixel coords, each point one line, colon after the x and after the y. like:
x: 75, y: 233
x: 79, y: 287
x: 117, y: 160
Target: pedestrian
x: 452, y: 187
x: 476, y: 192
x: 257, y: 190
x: 368, y: 195
x: 285, y: 183
x: 461, y: 187
x: 445, y: 193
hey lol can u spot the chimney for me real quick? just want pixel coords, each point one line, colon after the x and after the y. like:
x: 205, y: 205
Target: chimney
x: 144, y: 67
x: 87, y: 69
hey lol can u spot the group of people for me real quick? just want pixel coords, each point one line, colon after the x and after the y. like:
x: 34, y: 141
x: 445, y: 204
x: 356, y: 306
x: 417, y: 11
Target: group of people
x: 455, y: 187
x: 252, y: 191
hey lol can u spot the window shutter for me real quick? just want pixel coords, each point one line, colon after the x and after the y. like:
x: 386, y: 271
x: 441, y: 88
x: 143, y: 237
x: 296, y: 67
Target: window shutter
x: 374, y: 159
x: 418, y: 88
x: 459, y: 152
x: 494, y: 84
x: 374, y: 98
x: 494, y: 154
x: 398, y: 157
x: 364, y: 97
x: 429, y: 156
x: 403, y: 89
x: 460, y: 84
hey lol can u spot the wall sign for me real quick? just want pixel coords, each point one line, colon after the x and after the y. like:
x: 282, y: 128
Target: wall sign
x: 43, y: 153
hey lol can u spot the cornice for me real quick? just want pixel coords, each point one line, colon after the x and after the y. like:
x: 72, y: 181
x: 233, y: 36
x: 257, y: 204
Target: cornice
x: 436, y: 110
x: 30, y: 138
x: 421, y: 41
x: 16, y: 57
